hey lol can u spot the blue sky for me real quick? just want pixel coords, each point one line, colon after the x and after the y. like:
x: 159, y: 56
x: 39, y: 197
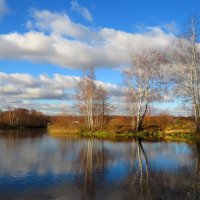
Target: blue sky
x: 42, y: 38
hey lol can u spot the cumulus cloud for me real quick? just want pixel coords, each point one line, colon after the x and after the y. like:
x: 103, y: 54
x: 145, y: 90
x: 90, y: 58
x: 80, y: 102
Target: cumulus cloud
x: 50, y: 107
x: 25, y: 86
x: 56, y: 23
x: 55, y: 38
x: 18, y: 89
x: 50, y: 94
x: 75, y: 6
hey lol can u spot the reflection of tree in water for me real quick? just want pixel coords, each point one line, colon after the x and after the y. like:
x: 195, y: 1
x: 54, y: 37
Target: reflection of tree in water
x: 92, y: 162
x: 144, y: 178
x: 137, y: 186
x: 16, y: 136
x: 146, y: 182
x: 22, y: 133
x: 196, y: 186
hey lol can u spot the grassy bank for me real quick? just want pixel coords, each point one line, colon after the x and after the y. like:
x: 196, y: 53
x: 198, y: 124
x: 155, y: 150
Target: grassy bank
x: 176, y: 134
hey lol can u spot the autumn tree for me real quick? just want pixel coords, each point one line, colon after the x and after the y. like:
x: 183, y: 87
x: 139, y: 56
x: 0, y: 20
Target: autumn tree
x: 143, y: 80
x: 185, y: 61
x: 92, y: 100
x: 21, y: 117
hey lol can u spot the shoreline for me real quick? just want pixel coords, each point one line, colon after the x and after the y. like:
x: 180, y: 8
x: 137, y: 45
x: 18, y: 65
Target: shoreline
x: 153, y: 135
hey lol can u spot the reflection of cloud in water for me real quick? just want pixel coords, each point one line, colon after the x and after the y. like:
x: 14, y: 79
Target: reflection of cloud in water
x: 58, y: 156
x: 168, y: 155
x: 72, y: 168
x: 41, y: 155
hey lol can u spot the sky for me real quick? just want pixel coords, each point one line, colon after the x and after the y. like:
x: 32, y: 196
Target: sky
x: 45, y: 45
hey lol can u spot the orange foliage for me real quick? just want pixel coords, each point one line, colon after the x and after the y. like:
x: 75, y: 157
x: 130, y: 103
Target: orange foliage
x: 22, y: 118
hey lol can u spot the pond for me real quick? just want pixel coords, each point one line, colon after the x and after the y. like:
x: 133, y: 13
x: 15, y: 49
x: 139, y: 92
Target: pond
x: 34, y: 165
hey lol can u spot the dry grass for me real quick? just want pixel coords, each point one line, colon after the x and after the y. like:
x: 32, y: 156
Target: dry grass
x: 62, y: 130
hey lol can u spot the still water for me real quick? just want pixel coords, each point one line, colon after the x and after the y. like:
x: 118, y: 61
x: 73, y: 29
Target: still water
x: 34, y: 165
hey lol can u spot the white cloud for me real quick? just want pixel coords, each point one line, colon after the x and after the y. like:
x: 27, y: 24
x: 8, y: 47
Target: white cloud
x: 56, y: 23
x: 81, y: 10
x: 18, y: 89
x: 47, y: 94
x: 55, y: 39
x: 25, y: 86
x: 3, y: 8
x: 48, y: 108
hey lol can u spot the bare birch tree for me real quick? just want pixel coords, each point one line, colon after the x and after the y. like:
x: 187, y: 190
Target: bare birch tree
x: 93, y: 101
x: 143, y: 80
x: 186, y: 68
x: 102, y: 106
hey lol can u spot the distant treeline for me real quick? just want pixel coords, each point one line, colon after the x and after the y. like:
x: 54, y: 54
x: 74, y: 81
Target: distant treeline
x: 23, y: 118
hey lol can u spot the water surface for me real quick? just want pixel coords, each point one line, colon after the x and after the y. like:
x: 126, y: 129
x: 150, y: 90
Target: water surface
x: 35, y: 166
